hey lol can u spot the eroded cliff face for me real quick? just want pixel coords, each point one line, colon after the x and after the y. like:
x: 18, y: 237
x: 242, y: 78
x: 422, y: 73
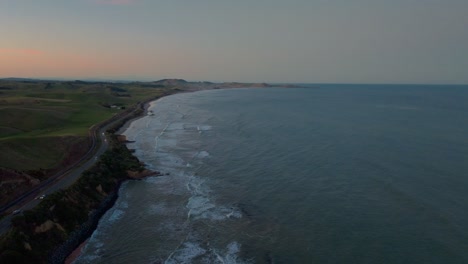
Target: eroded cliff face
x: 136, y: 175
x: 66, y: 215
x: 46, y: 226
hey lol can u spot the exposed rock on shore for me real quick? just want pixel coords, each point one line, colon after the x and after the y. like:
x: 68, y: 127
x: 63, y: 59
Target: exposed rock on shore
x: 46, y: 226
x: 137, y: 175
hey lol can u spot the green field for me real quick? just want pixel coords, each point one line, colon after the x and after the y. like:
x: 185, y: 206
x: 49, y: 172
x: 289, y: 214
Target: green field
x: 41, y: 122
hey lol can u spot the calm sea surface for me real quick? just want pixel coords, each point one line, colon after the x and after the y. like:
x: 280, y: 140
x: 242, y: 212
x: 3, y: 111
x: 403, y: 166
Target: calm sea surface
x: 326, y: 174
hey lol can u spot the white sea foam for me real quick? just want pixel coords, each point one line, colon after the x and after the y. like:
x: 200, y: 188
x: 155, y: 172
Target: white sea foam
x: 189, y: 252
x: 170, y: 143
x: 186, y: 253
x: 93, y: 250
x: 118, y: 211
x: 116, y: 215
x: 230, y: 254
x: 169, y: 185
x: 199, y: 206
x: 203, y: 154
x: 205, y: 127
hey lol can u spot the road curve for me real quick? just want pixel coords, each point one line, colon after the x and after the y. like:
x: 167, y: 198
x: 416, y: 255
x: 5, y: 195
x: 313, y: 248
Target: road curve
x: 67, y: 177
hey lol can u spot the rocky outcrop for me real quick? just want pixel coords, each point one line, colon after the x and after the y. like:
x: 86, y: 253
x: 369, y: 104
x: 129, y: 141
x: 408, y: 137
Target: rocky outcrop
x: 99, y: 189
x: 136, y: 175
x: 27, y: 246
x: 46, y: 226
x: 84, y: 231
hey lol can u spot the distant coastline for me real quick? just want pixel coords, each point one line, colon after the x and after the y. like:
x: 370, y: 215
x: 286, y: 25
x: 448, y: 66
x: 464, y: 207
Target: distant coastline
x: 70, y: 250
x: 77, y: 231
x: 72, y: 253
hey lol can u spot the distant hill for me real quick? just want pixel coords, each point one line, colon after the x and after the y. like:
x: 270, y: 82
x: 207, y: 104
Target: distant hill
x: 181, y: 83
x: 171, y: 82
x: 14, y: 79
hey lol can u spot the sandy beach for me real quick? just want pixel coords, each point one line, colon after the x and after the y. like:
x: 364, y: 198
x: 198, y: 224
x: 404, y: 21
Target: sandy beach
x: 76, y: 253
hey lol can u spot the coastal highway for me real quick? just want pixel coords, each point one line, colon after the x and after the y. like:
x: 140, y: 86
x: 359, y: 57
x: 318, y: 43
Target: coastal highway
x: 61, y: 182
x: 66, y: 178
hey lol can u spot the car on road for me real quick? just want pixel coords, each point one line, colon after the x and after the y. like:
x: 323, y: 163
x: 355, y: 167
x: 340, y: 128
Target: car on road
x: 15, y: 212
x: 40, y: 197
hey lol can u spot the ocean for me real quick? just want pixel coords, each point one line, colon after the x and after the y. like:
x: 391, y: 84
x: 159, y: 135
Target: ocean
x: 322, y: 174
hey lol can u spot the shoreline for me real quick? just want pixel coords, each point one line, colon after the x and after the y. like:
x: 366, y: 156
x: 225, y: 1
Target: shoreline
x: 75, y: 252
x: 79, y: 236
x: 145, y: 107
x: 77, y: 223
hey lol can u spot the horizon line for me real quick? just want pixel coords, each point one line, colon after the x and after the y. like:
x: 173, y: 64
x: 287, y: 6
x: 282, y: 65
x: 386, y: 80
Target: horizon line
x: 87, y: 79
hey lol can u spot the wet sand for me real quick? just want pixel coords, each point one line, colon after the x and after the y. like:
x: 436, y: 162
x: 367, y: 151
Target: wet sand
x: 76, y: 253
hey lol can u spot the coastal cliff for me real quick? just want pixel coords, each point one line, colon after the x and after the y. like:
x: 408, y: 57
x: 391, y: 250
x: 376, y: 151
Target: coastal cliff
x: 49, y: 232
x: 63, y: 220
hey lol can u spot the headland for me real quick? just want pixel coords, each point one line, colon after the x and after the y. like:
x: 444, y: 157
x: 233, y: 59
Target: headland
x: 65, y: 219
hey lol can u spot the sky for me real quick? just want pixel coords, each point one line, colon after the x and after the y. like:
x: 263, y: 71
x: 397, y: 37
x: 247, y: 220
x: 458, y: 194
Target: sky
x: 294, y: 41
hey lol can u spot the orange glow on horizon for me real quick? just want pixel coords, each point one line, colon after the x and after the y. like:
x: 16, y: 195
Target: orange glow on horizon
x: 29, y: 52
x: 35, y: 63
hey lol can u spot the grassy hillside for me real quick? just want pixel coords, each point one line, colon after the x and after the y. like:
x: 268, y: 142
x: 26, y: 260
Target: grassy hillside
x: 44, y: 125
x: 32, y: 153
x: 62, y: 215
x: 34, y: 114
